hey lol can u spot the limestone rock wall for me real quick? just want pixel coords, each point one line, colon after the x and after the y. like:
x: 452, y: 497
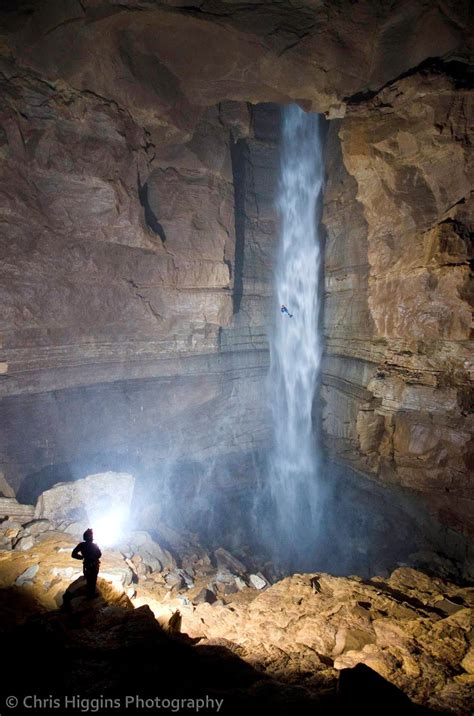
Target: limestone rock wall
x: 120, y: 331
x: 121, y: 336
x: 398, y: 401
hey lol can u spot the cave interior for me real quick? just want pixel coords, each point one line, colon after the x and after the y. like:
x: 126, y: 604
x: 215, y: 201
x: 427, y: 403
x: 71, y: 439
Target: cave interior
x: 140, y: 160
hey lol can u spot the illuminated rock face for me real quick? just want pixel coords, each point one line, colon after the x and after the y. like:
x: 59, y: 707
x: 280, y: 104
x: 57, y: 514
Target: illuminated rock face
x: 399, y: 292
x: 412, y: 629
x: 97, y: 495
x: 138, y: 233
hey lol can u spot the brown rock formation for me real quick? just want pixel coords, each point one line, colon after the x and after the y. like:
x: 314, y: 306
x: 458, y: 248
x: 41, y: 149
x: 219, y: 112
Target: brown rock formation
x: 410, y: 629
x: 400, y: 291
x: 413, y: 630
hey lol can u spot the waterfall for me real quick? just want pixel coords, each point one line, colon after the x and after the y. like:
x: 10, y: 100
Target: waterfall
x: 295, y: 343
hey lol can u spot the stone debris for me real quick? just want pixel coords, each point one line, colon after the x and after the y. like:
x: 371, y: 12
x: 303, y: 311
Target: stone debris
x: 225, y: 560
x: 66, y: 573
x: 27, y: 576
x: 258, y: 581
x: 10, y: 529
x: 24, y: 543
x: 174, y: 580
x: 240, y: 584
x: 139, y: 567
x: 140, y: 543
x: 230, y: 589
x: 187, y: 579
x: 205, y: 596
x: 184, y: 600
x: 223, y: 575
x: 36, y: 527
x: 76, y: 529
x: 5, y: 543
x: 414, y: 630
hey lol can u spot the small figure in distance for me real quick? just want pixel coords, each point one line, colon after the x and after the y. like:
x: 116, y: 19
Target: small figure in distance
x: 90, y: 554
x: 284, y: 310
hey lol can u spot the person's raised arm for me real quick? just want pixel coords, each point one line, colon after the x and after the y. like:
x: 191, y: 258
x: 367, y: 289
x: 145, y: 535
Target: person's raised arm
x: 77, y: 552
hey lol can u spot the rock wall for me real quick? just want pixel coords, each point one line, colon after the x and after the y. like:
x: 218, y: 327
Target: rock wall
x: 399, y: 216
x: 138, y: 231
x: 121, y: 334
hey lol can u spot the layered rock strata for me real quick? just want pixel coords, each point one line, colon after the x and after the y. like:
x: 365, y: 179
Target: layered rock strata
x: 128, y: 274
x: 397, y: 378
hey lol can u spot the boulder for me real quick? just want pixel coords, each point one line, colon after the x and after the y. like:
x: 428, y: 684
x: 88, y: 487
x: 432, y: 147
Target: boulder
x: 66, y: 572
x: 152, y: 554
x: 27, y: 576
x: 5, y: 543
x: 98, y: 495
x: 240, y: 584
x: 23, y: 544
x: 185, y: 546
x: 225, y: 577
x: 188, y: 581
x: 226, y: 560
x: 351, y: 639
x: 10, y: 529
x: 230, y: 588
x: 76, y: 529
x: 120, y: 577
x: 174, y: 579
x: 258, y: 581
x: 138, y: 566
x: 36, y: 527
x: 205, y: 596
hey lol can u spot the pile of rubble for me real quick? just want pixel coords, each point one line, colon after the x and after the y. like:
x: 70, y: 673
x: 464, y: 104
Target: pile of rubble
x: 168, y: 564
x: 185, y: 569
x: 414, y: 630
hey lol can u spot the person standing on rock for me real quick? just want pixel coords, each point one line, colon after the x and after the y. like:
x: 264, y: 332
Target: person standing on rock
x: 90, y: 554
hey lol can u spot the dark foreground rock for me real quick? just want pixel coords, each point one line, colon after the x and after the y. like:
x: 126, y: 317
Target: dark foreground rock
x: 296, y: 646
x: 104, y: 654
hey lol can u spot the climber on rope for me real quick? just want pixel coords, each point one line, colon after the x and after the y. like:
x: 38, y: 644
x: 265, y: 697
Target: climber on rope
x: 90, y: 554
x: 284, y: 310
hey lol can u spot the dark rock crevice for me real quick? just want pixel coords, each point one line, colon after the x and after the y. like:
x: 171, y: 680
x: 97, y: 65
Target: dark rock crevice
x: 462, y: 74
x: 150, y: 216
x: 238, y: 172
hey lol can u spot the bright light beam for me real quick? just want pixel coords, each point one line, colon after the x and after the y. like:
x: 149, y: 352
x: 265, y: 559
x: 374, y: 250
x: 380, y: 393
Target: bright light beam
x: 109, y: 528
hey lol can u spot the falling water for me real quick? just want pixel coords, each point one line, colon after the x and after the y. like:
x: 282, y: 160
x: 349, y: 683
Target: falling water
x: 295, y: 344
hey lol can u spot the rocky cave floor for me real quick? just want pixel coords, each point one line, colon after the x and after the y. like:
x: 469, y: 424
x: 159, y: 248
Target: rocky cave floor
x: 180, y: 621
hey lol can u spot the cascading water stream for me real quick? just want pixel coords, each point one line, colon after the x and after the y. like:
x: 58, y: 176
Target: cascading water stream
x: 295, y: 343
